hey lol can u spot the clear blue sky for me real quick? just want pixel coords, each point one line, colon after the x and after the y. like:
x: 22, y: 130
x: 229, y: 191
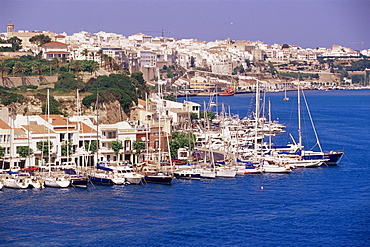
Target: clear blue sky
x: 307, y: 23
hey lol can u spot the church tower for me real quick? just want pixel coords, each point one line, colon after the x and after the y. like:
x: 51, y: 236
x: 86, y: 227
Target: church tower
x: 10, y: 29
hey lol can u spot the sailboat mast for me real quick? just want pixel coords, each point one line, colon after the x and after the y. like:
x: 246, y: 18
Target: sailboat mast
x: 48, y: 119
x: 147, y: 127
x: 159, y: 123
x: 270, y: 134
x: 299, y: 119
x: 97, y: 128
x: 256, y: 117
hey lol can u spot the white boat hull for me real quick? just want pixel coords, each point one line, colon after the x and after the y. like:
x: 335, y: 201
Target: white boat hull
x: 207, y: 174
x: 276, y: 169
x: 133, y: 178
x: 57, y: 183
x: 226, y: 173
x: 15, y: 183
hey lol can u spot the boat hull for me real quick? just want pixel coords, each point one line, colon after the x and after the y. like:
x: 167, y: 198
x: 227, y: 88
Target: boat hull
x: 100, y: 180
x: 15, y: 183
x: 332, y: 158
x: 57, y: 183
x: 158, y: 179
x: 80, y: 182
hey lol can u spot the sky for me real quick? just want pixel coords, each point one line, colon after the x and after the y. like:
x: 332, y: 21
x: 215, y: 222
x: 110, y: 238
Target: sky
x: 306, y: 23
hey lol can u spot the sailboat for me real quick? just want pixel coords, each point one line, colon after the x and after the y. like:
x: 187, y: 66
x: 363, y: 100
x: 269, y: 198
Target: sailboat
x: 309, y: 158
x: 53, y: 180
x: 156, y: 176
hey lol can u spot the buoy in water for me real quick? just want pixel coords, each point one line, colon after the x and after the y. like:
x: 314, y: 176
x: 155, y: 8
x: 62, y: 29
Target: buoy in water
x: 262, y: 188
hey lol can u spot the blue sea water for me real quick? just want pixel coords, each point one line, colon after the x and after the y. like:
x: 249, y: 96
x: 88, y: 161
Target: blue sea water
x: 327, y: 206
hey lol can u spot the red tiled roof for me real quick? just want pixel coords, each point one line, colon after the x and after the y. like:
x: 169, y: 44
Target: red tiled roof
x: 3, y: 125
x: 54, y: 43
x: 64, y: 52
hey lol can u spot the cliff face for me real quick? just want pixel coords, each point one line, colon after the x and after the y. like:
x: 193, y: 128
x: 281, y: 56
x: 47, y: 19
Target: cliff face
x: 109, y: 113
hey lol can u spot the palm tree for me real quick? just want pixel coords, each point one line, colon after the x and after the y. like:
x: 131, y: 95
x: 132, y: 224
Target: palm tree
x: 18, y: 67
x: 85, y: 52
x: 56, y: 64
x: 94, y: 68
x: 92, y: 54
x: 76, y: 66
x: 3, y: 69
x: 110, y: 62
x: 38, y: 68
x: 100, y: 54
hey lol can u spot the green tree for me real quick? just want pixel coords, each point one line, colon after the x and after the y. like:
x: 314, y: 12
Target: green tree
x: 38, y: 68
x: 68, y: 81
x: 56, y: 64
x: 19, y: 68
x: 116, y: 146
x: 3, y: 69
x: 193, y: 116
x: 100, y: 54
x: 6, y: 97
x: 181, y: 140
x: 85, y: 53
x: 139, y: 83
x: 89, y: 66
x: 91, y: 146
x: 2, y: 152
x: 138, y: 145
x: 40, y: 39
x: 171, y: 97
x: 76, y: 65
x: 44, y: 146
x: 285, y: 46
x: 16, y: 43
x: 53, y: 103
x: 24, y: 151
x: 67, y: 148
x: 210, y: 115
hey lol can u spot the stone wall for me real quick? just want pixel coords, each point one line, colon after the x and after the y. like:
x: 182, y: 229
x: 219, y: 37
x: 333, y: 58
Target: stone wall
x: 28, y: 80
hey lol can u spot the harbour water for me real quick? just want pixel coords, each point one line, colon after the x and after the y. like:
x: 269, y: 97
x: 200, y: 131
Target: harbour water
x: 326, y: 206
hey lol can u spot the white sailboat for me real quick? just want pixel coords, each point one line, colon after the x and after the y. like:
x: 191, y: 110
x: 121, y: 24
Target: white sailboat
x: 15, y: 182
x: 53, y: 180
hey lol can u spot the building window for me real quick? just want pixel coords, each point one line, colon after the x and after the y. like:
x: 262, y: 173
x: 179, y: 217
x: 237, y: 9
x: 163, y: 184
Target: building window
x: 127, y: 145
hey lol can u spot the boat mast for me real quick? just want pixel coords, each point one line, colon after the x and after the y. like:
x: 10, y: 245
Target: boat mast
x: 256, y: 118
x: 48, y: 119
x: 312, y: 123
x: 147, y: 128
x: 270, y: 122
x: 97, y: 128
x: 159, y: 123
x: 299, y: 119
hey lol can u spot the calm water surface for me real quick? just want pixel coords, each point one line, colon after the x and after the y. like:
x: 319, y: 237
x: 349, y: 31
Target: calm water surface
x: 328, y: 206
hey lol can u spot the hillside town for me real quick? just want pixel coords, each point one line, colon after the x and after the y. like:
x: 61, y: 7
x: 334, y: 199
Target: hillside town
x: 185, y: 66
x: 199, y: 65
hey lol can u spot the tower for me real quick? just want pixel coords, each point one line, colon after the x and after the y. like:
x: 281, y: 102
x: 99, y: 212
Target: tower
x: 10, y: 29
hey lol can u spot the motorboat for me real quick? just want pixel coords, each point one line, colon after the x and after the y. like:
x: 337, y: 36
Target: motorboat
x: 228, y: 92
x: 106, y: 178
x: 128, y: 173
